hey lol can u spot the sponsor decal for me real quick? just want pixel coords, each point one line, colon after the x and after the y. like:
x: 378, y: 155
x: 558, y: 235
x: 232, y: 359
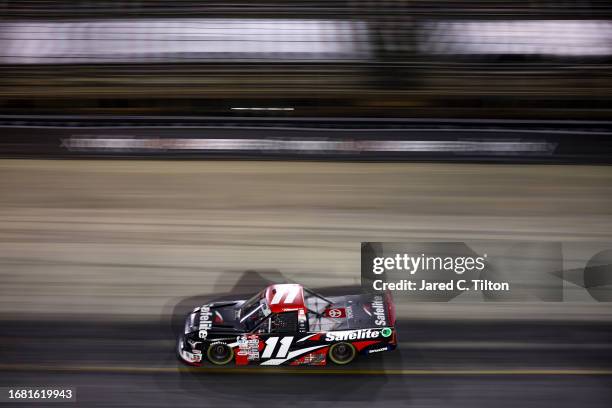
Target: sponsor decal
x: 316, y: 358
x: 352, y: 335
x: 205, y: 322
x: 336, y: 313
x: 249, y: 346
x: 378, y: 308
x: 386, y: 332
x: 378, y: 350
x: 349, y: 312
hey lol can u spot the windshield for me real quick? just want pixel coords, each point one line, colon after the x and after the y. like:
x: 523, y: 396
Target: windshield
x: 254, y: 311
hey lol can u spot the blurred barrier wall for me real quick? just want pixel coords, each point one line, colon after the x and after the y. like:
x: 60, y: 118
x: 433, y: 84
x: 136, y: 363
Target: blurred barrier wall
x: 518, y: 59
x: 328, y: 139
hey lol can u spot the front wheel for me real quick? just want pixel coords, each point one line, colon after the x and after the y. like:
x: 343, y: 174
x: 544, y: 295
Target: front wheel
x: 342, y: 353
x: 220, y: 353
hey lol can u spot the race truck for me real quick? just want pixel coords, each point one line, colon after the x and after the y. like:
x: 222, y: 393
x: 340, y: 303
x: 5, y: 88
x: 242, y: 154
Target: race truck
x: 287, y: 324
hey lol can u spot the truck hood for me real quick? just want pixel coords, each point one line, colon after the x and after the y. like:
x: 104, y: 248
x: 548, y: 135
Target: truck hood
x: 216, y: 317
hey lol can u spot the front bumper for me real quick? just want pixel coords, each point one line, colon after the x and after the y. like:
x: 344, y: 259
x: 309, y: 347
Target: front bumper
x: 186, y: 354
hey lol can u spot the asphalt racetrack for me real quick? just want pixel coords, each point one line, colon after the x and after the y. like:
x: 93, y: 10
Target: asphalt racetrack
x: 437, y: 364
x: 99, y: 261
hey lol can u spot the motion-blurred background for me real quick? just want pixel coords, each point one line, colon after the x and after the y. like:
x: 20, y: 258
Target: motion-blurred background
x: 384, y: 58
x: 101, y: 257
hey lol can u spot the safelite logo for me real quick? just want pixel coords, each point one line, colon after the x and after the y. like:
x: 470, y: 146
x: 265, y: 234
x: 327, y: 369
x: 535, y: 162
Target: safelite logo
x: 378, y: 307
x: 358, y: 334
x: 205, y: 322
x: 386, y: 332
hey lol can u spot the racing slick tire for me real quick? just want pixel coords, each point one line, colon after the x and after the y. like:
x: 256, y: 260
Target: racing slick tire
x: 342, y: 353
x: 220, y: 353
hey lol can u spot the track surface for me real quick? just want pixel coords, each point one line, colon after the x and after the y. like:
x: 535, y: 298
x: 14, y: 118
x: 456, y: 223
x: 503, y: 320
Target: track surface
x: 461, y: 364
x: 100, y: 260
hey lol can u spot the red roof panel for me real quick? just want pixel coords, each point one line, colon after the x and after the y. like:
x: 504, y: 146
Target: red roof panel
x: 285, y: 297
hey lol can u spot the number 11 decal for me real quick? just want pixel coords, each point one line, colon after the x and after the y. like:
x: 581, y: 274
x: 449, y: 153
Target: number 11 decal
x: 285, y: 343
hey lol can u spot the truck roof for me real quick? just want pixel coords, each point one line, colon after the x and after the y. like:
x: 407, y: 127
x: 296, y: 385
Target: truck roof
x: 285, y: 297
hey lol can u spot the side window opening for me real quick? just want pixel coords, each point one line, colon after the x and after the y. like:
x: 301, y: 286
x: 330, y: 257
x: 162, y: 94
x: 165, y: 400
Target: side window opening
x: 264, y: 327
x: 284, y: 322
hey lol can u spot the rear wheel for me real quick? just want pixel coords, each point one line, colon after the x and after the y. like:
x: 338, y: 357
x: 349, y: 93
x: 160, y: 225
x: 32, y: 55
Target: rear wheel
x: 342, y: 353
x: 220, y: 353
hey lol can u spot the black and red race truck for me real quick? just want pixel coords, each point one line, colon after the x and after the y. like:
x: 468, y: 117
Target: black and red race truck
x: 287, y: 324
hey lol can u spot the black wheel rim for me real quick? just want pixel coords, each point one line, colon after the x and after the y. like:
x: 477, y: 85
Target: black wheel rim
x: 220, y: 354
x: 342, y: 353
